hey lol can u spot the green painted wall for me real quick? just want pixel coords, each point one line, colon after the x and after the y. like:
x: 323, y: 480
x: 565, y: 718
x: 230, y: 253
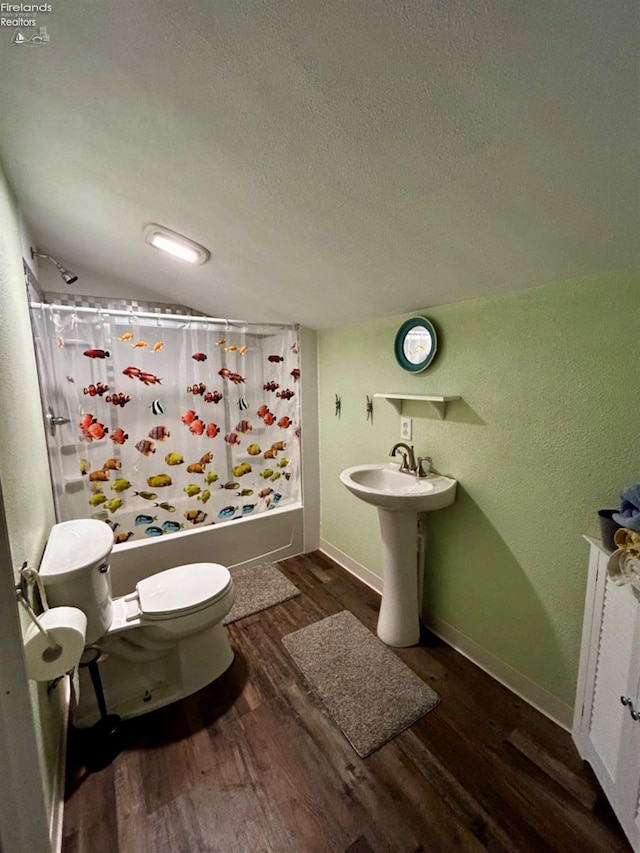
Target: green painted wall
x: 24, y: 469
x: 547, y: 432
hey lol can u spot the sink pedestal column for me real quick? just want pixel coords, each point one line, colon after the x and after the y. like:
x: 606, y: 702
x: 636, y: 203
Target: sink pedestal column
x: 399, y: 622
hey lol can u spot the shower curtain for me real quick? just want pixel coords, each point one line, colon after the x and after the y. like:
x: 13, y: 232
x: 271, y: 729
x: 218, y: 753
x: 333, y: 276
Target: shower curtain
x: 174, y: 422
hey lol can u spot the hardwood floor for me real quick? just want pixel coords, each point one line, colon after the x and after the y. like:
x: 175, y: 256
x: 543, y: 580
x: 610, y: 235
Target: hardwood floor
x: 254, y: 763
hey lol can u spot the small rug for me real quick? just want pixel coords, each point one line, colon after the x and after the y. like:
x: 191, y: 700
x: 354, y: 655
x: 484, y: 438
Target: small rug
x: 370, y: 693
x: 258, y: 588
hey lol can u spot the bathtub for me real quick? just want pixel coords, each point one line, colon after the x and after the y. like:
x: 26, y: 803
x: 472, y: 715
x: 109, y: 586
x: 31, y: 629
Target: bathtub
x: 239, y: 543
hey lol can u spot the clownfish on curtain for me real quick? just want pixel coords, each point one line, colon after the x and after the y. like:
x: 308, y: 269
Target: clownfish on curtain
x: 173, y: 423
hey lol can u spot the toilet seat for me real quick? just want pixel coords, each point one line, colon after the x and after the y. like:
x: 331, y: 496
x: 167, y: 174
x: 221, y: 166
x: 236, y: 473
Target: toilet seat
x: 179, y: 591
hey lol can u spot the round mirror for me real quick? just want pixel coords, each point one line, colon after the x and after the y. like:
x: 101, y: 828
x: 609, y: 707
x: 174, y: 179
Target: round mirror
x: 415, y: 344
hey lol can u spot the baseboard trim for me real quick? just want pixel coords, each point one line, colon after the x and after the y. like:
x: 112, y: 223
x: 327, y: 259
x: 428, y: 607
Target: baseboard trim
x: 516, y: 682
x: 361, y: 572
x: 57, y: 794
x: 543, y: 701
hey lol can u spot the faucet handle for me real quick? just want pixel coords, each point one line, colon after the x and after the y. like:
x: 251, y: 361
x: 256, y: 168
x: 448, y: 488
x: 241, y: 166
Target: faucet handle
x: 421, y: 471
x: 404, y: 466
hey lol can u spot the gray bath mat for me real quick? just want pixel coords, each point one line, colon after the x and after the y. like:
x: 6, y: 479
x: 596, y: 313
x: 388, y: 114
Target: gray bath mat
x: 366, y: 688
x: 258, y: 588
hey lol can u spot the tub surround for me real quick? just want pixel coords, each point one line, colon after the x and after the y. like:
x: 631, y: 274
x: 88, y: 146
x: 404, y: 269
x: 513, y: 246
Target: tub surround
x: 242, y: 543
x: 542, y: 436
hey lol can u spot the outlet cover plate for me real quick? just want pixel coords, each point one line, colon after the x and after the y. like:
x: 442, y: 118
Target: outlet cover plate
x: 406, y: 428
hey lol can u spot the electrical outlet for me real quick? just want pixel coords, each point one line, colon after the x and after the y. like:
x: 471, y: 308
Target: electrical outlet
x: 406, y: 425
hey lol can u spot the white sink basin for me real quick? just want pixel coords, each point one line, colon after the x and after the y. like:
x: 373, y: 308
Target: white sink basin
x: 385, y: 487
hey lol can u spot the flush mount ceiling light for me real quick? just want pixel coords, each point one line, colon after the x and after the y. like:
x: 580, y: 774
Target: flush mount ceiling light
x: 175, y: 244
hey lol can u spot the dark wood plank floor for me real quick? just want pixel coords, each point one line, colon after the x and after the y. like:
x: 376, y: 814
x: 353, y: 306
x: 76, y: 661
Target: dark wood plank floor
x: 254, y: 763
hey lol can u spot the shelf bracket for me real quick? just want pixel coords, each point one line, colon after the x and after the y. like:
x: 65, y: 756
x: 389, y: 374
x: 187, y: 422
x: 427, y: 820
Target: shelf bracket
x: 440, y: 406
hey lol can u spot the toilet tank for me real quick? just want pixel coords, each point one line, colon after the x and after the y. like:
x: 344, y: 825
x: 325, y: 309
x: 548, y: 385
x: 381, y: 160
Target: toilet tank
x: 75, y: 571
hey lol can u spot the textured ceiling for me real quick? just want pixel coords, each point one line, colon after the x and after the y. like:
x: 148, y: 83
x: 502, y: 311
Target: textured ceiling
x: 341, y: 160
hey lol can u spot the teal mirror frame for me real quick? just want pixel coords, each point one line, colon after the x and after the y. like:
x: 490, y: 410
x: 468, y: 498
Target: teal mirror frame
x: 420, y: 330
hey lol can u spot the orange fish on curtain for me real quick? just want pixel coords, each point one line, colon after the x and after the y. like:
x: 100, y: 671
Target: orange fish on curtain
x: 143, y: 376
x: 267, y: 416
x: 119, y: 436
x: 188, y: 417
x: 90, y: 428
x: 85, y: 421
x: 232, y: 377
x: 98, y: 389
x: 118, y: 399
x: 286, y: 394
x: 96, y: 431
x: 149, y: 378
x: 196, y: 389
x: 112, y: 465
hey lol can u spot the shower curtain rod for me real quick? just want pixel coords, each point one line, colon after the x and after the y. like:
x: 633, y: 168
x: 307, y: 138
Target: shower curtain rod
x: 119, y: 312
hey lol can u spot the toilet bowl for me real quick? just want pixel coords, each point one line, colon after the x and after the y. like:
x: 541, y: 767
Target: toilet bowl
x: 158, y: 643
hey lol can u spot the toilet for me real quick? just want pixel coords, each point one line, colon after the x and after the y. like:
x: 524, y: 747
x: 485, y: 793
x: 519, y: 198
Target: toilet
x: 158, y: 643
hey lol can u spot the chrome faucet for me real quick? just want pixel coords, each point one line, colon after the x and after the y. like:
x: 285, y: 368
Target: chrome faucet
x: 409, y: 464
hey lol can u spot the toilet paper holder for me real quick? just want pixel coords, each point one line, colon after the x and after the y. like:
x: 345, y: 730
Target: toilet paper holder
x: 27, y: 576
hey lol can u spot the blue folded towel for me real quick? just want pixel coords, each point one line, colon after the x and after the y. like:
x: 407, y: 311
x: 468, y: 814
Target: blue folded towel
x: 629, y: 515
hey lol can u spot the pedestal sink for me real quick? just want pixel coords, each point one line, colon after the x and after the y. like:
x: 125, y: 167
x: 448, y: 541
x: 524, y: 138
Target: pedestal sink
x: 399, y: 497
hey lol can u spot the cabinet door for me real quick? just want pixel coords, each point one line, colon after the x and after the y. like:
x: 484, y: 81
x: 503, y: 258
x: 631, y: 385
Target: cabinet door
x: 628, y: 781
x: 611, y: 728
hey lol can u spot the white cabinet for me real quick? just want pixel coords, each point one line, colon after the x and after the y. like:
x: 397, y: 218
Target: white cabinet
x: 605, y: 729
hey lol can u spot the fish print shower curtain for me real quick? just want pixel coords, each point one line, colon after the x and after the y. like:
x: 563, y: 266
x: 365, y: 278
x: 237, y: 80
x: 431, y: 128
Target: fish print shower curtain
x: 173, y: 423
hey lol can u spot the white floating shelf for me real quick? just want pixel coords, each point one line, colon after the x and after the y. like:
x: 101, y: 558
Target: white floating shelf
x: 438, y: 402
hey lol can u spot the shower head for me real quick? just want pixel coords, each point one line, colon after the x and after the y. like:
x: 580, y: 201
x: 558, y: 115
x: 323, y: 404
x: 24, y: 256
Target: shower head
x: 68, y: 277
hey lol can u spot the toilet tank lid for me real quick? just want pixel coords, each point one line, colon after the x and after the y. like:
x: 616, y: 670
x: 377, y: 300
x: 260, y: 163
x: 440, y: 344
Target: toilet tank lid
x: 74, y: 547
x: 182, y: 588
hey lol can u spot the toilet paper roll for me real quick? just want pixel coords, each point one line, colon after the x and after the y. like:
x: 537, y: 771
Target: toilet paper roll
x: 47, y: 659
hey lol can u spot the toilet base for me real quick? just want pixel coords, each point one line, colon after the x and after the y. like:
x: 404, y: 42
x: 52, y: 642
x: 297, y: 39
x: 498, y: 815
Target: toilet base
x: 132, y: 689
